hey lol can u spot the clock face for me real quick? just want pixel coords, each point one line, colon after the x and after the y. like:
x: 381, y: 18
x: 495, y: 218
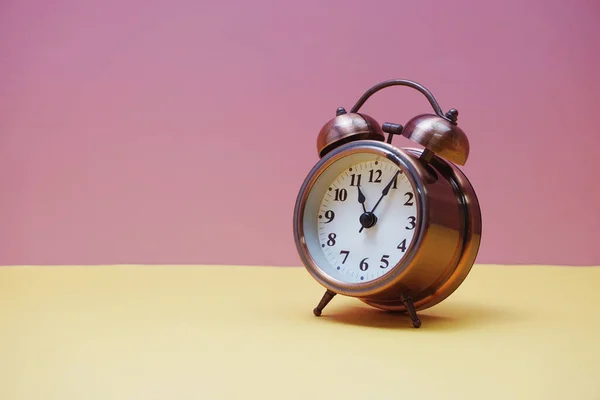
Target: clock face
x: 361, y: 218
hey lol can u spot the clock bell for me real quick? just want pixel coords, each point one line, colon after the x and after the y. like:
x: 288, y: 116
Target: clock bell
x: 438, y: 133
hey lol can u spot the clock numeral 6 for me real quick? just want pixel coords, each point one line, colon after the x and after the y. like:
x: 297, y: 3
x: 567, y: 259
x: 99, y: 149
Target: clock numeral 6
x: 331, y: 239
x: 340, y: 195
x: 363, y: 264
x: 412, y: 223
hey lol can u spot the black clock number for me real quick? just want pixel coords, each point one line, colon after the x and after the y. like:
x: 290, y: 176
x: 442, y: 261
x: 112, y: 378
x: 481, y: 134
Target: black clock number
x: 409, y: 202
x: 372, y: 174
x: 395, y: 184
x: 363, y: 264
x: 330, y: 215
x: 402, y: 246
x: 412, y: 223
x: 355, y: 180
x: 346, y: 253
x: 331, y: 239
x: 340, y: 195
x: 384, y: 261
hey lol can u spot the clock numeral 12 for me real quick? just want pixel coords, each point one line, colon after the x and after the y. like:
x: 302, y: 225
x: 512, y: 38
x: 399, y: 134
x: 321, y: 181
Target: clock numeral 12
x: 375, y: 172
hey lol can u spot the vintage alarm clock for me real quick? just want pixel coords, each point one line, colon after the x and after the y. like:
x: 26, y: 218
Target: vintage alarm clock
x: 397, y: 228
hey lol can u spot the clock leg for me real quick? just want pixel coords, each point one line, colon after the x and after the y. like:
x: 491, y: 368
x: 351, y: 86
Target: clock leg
x: 410, y: 307
x: 324, y: 301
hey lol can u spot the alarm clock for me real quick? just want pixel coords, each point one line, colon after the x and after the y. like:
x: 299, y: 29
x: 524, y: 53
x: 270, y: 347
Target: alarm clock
x: 398, y: 228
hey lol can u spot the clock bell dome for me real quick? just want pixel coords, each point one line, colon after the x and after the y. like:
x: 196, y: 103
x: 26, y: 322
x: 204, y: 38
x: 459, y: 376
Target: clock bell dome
x: 441, y: 136
x: 347, y: 127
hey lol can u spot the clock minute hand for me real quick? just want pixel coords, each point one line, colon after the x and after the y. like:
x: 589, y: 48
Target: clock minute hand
x: 385, y: 191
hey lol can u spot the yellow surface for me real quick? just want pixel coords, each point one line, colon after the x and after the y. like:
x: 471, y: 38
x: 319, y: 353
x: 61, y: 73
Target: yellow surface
x: 216, y: 332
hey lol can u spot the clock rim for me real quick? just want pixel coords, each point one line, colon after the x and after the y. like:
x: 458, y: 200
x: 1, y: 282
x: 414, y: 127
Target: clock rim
x: 409, y: 166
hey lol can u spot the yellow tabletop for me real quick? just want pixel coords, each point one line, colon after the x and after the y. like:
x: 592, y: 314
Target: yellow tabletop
x: 224, y: 332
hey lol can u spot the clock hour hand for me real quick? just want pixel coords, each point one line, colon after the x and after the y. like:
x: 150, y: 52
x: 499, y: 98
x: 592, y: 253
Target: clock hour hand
x: 361, y: 198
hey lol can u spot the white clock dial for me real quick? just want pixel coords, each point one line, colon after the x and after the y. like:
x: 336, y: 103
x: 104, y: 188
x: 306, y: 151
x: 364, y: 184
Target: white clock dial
x: 361, y: 252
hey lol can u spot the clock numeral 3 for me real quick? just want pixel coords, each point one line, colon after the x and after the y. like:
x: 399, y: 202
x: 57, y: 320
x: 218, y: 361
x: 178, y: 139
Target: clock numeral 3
x: 412, y: 223
x: 346, y: 253
x: 384, y: 261
x: 375, y: 172
x: 402, y: 246
x: 340, y: 195
x: 409, y: 202
x: 363, y: 264
x: 331, y: 239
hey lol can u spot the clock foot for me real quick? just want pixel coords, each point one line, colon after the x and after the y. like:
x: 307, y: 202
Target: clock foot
x: 324, y: 301
x: 410, y: 308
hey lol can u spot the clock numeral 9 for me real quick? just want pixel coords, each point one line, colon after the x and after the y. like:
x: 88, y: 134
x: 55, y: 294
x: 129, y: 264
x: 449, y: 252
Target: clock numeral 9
x: 372, y: 173
x: 340, y: 195
x: 331, y: 239
x: 330, y: 215
x: 412, y: 223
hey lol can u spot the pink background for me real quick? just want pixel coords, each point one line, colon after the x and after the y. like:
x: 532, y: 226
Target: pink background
x: 180, y: 131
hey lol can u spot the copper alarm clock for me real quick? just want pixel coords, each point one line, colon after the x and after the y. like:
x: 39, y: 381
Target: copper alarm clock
x: 397, y: 228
